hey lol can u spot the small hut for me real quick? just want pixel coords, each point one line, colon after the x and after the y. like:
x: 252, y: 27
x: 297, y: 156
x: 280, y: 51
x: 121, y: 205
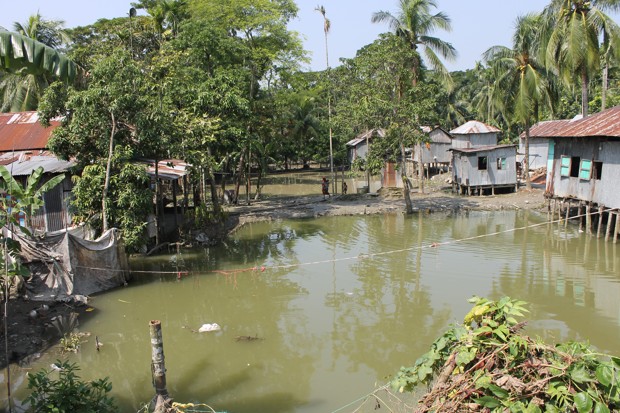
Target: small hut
x: 359, y: 146
x: 473, y: 134
x: 484, y: 169
x: 23, y: 148
x: 435, y: 152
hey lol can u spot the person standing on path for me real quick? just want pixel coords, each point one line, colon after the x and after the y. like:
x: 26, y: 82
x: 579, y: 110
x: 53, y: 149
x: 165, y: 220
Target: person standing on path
x: 325, y: 187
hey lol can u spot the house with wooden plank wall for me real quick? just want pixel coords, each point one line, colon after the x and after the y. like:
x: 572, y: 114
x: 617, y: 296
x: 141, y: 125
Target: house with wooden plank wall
x: 583, y: 170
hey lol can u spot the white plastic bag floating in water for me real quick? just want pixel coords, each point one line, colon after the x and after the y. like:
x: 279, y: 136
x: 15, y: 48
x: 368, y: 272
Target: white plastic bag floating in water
x: 205, y: 328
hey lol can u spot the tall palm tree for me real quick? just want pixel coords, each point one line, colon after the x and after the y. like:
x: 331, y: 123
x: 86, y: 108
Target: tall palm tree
x: 573, y: 29
x: 327, y: 25
x: 48, y: 32
x: 167, y: 15
x: 520, y: 73
x: 31, y: 60
x: 414, y: 23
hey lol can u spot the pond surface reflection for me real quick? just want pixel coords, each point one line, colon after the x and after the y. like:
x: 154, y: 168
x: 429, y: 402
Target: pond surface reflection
x: 339, y: 304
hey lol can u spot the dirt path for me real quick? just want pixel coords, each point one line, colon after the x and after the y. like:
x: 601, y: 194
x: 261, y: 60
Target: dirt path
x: 383, y: 203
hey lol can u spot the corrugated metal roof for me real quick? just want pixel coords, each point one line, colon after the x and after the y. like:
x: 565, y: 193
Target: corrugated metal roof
x: 22, y: 131
x: 482, y: 148
x: 168, y: 169
x: 368, y: 134
x: 474, y: 127
x: 24, y: 162
x: 441, y: 137
x: 602, y: 124
x: 546, y: 129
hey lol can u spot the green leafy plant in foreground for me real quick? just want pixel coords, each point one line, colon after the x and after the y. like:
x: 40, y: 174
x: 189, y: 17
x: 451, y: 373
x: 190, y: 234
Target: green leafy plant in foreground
x: 485, y: 364
x: 68, y: 393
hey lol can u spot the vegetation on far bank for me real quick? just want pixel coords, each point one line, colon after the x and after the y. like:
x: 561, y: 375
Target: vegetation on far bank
x: 219, y: 84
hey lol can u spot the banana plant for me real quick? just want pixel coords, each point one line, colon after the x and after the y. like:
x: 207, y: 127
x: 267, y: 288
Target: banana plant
x: 19, y: 52
x: 28, y: 198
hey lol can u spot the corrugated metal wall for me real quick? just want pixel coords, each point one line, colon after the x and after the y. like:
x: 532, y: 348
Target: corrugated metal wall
x: 467, y: 173
x: 604, y: 191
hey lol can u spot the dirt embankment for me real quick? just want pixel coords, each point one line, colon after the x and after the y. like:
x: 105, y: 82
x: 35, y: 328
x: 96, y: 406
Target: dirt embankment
x: 31, y: 333
x: 384, y: 202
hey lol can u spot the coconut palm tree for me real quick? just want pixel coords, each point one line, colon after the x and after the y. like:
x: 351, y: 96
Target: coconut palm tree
x: 327, y: 24
x: 573, y: 29
x: 48, y: 32
x: 414, y: 23
x: 521, y: 75
x: 30, y: 60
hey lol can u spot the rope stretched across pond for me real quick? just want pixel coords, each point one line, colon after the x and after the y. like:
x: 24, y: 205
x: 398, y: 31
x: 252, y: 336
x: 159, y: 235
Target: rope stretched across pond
x: 357, y: 257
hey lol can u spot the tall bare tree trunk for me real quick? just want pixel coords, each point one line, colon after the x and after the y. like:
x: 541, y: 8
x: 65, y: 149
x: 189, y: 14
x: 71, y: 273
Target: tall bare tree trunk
x: 106, y: 184
x: 605, y: 86
x: 421, y: 170
x: 526, y: 159
x: 240, y: 169
x: 211, y: 177
x: 406, y: 182
x: 584, y: 92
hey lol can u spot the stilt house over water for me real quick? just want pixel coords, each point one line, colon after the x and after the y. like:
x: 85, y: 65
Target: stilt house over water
x: 583, y: 168
x: 479, y: 164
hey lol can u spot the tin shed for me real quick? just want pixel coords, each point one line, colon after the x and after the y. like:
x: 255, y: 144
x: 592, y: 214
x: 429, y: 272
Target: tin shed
x: 23, y: 143
x: 473, y: 134
x: 360, y: 145
x: 436, y: 150
x: 484, y: 168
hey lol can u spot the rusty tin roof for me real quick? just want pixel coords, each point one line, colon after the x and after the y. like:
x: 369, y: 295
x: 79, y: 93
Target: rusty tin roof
x: 474, y: 127
x: 22, y: 131
x: 602, y: 124
x: 167, y: 169
x: 24, y: 162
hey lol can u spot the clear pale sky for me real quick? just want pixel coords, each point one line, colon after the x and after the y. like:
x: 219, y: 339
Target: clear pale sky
x: 476, y: 24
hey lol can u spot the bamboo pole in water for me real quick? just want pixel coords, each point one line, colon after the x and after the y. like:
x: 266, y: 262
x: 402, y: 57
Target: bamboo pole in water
x: 161, y: 400
x: 600, y: 221
x: 588, y: 219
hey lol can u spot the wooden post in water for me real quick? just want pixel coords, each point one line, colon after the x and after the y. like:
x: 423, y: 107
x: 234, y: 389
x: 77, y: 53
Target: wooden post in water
x: 162, y: 400
x: 550, y: 211
x: 567, y: 214
x: 617, y: 227
x: 588, y: 219
x: 610, y: 219
x: 600, y: 221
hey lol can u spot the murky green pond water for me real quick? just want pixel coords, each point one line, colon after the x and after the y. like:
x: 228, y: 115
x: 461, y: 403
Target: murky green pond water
x: 341, y: 304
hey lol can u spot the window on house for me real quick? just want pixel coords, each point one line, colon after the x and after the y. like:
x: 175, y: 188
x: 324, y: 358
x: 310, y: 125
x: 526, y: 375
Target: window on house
x: 501, y: 164
x: 482, y: 163
x: 565, y: 166
x: 575, y: 162
x: 585, y: 169
x: 597, y: 169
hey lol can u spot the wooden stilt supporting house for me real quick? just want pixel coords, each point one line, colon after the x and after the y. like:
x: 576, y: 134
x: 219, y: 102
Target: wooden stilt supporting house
x: 600, y: 221
x: 583, y: 167
x: 610, y: 220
